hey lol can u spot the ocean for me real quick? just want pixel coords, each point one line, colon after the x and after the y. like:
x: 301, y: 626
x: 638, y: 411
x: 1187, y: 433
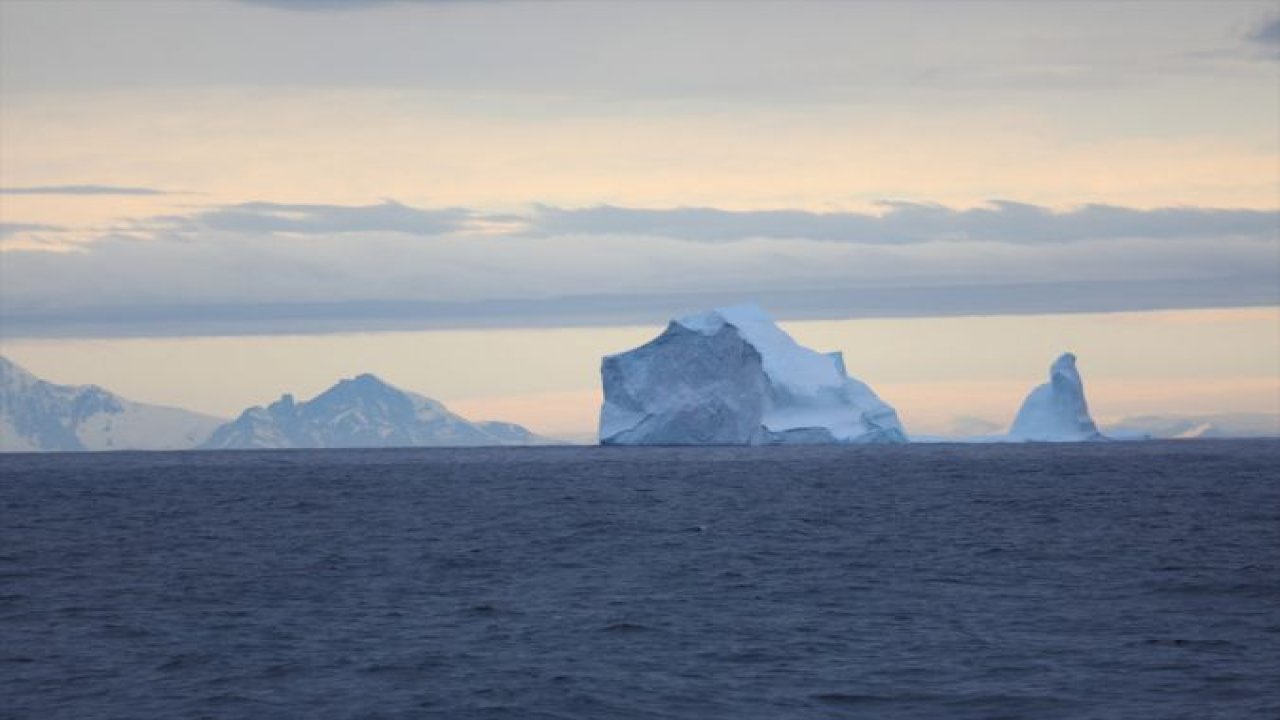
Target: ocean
x: 1107, y: 580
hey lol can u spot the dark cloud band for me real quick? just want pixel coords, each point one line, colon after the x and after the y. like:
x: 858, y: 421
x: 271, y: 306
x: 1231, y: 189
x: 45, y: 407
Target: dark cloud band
x: 277, y: 267
x: 900, y: 223
x: 159, y: 320
x: 11, y: 229
x: 81, y: 190
x: 264, y: 217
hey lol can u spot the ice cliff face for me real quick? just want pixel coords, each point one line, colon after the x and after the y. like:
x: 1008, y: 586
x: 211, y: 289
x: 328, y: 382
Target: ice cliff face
x: 1056, y: 411
x: 362, y: 412
x: 40, y: 416
x: 732, y: 377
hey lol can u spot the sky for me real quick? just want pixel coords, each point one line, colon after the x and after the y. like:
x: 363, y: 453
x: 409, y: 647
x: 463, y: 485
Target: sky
x: 208, y: 204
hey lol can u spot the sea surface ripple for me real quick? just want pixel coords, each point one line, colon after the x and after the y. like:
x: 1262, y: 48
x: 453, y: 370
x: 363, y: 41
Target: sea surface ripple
x: 1109, y: 580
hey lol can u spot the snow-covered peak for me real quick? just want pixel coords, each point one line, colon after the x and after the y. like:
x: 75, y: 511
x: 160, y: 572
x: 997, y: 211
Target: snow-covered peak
x: 363, y: 384
x: 365, y: 380
x: 362, y: 411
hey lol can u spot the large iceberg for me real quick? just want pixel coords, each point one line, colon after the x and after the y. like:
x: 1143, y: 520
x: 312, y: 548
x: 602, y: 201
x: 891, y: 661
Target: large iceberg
x: 732, y: 377
x: 1056, y: 411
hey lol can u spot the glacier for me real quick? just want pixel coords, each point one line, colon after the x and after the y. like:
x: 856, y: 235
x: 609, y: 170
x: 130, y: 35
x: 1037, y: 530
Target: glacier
x: 1056, y: 411
x: 731, y: 376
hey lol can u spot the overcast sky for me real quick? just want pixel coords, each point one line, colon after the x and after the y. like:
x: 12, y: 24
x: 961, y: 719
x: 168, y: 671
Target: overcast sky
x: 278, y: 168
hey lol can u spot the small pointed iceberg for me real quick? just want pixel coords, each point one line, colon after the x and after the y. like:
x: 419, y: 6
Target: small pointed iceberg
x: 1056, y: 411
x: 733, y: 377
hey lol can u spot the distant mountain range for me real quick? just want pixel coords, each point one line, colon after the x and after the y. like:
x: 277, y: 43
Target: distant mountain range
x: 37, y: 415
x: 1219, y: 425
x: 1138, y: 427
x: 362, y: 412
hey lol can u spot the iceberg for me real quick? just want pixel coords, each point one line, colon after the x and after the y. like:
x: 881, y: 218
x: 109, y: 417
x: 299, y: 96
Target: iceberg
x: 1056, y: 411
x: 732, y: 377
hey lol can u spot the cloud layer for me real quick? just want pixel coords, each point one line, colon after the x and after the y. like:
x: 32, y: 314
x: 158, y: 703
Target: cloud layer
x: 334, y: 5
x: 793, y: 51
x: 899, y: 223
x: 272, y: 318
x: 81, y: 190
x: 8, y: 229
x: 307, y: 219
x: 274, y: 267
x: 1003, y: 221
x: 1267, y: 35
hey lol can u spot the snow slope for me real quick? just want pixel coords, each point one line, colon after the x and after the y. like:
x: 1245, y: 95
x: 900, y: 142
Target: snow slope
x: 37, y: 415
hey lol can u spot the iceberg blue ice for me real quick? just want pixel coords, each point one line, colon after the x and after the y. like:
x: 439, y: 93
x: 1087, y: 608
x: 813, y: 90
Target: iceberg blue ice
x: 732, y: 377
x: 1056, y: 411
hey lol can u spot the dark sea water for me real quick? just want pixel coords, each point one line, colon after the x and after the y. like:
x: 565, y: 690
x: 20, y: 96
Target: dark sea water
x: 1123, y: 580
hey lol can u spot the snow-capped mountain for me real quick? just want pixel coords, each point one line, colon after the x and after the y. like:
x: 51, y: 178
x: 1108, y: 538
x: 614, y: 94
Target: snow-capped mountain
x: 37, y: 415
x: 362, y: 412
x: 511, y: 434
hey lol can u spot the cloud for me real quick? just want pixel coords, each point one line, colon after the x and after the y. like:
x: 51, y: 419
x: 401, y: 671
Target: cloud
x: 332, y: 5
x: 81, y: 190
x: 265, y: 217
x: 855, y: 53
x: 11, y: 229
x: 1267, y: 34
x: 292, y: 267
x: 901, y: 222
x: 236, y: 280
x: 268, y: 318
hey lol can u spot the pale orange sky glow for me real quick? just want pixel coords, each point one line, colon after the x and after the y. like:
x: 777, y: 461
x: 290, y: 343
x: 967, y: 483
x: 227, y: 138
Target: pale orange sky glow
x: 476, y: 201
x: 437, y: 153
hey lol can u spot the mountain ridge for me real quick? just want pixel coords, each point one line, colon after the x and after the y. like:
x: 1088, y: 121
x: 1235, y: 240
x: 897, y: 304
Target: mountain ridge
x: 362, y: 411
x: 38, y: 415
